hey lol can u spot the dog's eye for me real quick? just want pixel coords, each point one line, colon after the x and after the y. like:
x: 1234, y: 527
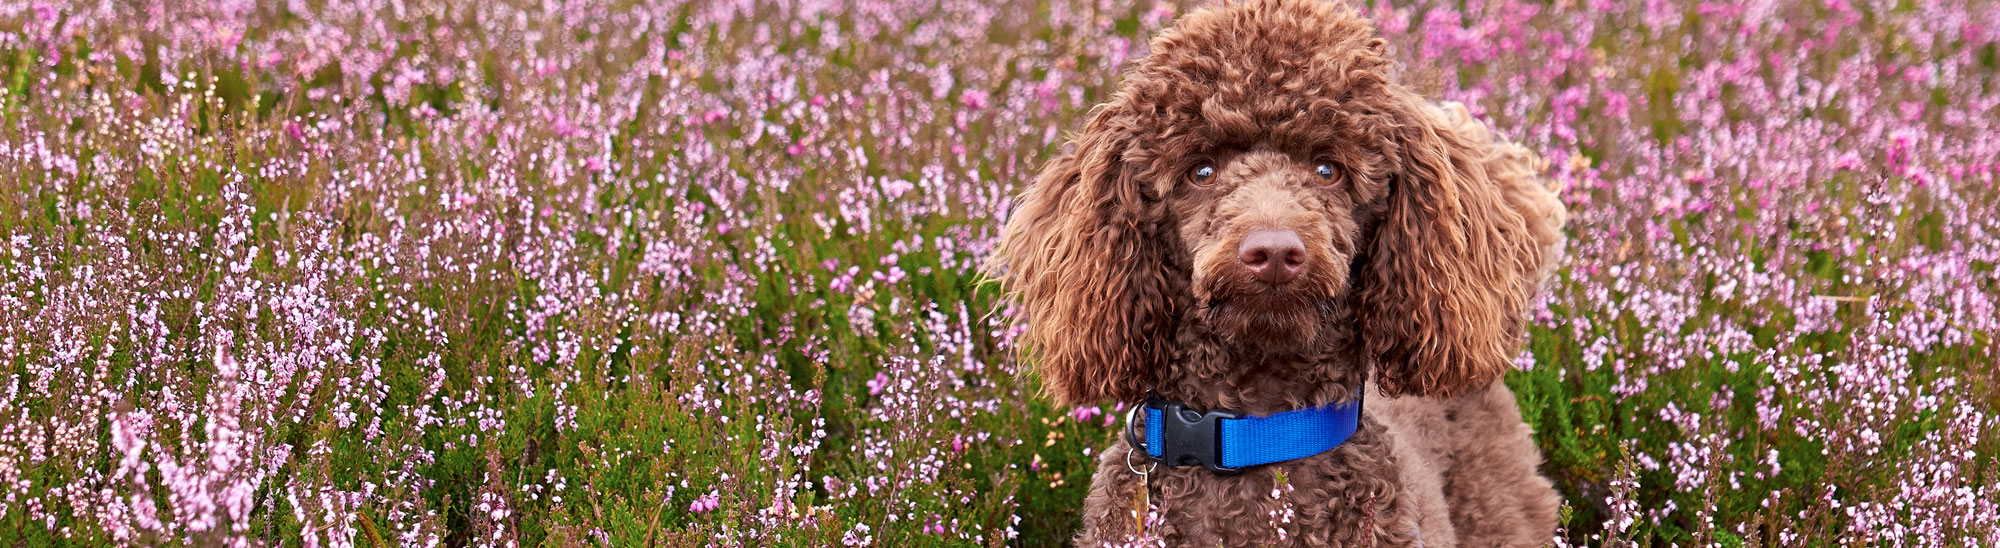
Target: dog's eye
x: 1325, y: 171
x: 1203, y: 174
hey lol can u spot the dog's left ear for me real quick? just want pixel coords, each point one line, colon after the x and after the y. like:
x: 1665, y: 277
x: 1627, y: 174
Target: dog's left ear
x: 1455, y: 261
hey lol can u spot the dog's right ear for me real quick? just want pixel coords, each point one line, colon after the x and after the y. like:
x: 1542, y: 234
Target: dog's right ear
x: 1080, y: 254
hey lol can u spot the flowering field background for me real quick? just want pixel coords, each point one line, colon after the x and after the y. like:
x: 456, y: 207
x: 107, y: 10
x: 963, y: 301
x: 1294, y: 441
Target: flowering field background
x: 387, y: 273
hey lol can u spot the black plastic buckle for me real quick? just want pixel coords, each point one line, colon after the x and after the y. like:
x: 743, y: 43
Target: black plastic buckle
x: 1190, y: 438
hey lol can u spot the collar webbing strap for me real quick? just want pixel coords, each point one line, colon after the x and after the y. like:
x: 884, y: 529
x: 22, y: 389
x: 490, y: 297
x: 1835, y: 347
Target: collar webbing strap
x: 1223, y: 441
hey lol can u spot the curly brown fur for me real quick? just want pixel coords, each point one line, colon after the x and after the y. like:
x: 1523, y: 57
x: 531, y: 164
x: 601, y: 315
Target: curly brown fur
x: 1419, y: 249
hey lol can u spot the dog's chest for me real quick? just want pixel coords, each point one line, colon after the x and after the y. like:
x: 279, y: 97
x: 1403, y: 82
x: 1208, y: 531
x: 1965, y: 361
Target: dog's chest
x: 1346, y: 497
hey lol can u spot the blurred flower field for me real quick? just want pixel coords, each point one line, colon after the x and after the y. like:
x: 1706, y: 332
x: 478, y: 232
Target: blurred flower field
x: 389, y: 273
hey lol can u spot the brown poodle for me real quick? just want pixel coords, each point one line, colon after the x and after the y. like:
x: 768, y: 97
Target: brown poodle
x: 1257, y: 220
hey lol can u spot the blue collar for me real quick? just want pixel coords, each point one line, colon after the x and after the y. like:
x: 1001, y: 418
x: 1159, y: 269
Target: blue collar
x: 1226, y: 441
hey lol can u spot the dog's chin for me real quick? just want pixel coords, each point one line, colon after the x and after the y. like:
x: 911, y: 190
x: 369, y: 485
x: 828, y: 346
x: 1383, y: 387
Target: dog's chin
x: 1269, y: 318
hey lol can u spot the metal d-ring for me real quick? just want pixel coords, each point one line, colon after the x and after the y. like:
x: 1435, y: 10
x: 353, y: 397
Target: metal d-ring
x: 1135, y: 469
x: 1133, y: 441
x: 1132, y: 435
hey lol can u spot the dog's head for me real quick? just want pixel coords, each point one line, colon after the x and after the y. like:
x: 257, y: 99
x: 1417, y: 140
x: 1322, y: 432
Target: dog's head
x: 1256, y: 171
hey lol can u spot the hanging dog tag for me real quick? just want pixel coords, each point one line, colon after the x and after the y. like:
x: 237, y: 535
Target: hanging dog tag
x: 1141, y: 501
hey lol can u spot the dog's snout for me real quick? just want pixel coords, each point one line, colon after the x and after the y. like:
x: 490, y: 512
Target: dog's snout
x: 1274, y: 256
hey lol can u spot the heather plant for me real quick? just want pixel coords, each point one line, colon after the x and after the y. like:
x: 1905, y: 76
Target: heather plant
x: 616, y: 273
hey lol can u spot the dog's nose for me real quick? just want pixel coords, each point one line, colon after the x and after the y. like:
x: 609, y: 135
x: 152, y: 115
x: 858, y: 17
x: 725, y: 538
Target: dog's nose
x: 1274, y: 256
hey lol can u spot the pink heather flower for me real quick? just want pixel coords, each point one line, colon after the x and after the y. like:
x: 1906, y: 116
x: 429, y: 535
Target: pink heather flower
x: 878, y: 384
x: 1616, y: 105
x: 935, y: 526
x: 705, y: 503
x: 857, y: 536
x: 974, y: 100
x: 1084, y: 413
x: 896, y: 187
